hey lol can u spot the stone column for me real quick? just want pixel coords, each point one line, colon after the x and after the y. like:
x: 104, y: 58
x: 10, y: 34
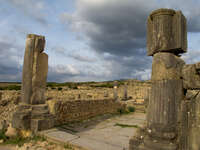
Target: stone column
x: 125, y: 92
x: 35, y: 70
x: 33, y: 114
x: 166, y: 40
x: 115, y: 93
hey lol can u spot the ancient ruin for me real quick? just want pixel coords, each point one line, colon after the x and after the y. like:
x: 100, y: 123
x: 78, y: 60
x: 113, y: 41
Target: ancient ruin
x: 33, y: 114
x: 172, y: 96
x: 172, y: 116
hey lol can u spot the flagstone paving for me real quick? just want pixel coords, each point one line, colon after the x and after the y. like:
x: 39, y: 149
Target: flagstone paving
x: 107, y: 133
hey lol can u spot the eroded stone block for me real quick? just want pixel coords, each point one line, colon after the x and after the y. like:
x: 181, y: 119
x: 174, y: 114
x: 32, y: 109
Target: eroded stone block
x: 21, y: 120
x: 166, y: 66
x: 39, y: 84
x: 166, y: 32
x: 41, y: 124
x: 191, y: 76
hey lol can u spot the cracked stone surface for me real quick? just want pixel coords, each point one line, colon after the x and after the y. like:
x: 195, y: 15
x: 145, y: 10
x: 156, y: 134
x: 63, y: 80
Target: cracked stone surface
x: 99, y: 134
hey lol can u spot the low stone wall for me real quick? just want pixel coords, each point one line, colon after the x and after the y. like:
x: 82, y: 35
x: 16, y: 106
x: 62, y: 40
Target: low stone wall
x: 138, y: 107
x: 190, y: 121
x: 77, y: 110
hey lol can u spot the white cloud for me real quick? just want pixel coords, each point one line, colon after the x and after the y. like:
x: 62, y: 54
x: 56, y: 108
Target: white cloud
x: 66, y: 69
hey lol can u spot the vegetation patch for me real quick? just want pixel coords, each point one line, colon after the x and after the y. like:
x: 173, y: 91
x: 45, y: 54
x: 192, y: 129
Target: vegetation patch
x: 131, y: 109
x: 11, y: 87
x: 126, y: 125
x: 2, y: 135
x: 122, y: 111
x: 67, y: 146
x: 59, y: 89
x: 105, y: 85
x: 18, y: 140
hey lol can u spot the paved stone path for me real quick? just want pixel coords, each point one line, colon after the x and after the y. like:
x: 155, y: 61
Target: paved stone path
x: 106, y: 134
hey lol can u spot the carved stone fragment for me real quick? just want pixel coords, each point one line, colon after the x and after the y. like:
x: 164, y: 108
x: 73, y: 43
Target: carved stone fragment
x: 166, y: 66
x: 166, y: 32
x: 191, y: 76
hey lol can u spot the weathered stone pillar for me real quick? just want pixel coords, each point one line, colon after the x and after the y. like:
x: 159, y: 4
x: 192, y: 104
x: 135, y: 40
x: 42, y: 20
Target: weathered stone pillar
x: 35, y: 70
x: 125, y: 92
x: 33, y: 114
x: 115, y: 93
x: 166, y: 39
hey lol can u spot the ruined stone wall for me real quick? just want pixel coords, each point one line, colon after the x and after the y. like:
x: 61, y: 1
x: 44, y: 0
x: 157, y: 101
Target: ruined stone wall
x: 190, y: 121
x: 9, y: 94
x: 65, y: 109
x: 8, y: 103
x: 81, y: 94
x: 76, y: 110
x: 137, y: 90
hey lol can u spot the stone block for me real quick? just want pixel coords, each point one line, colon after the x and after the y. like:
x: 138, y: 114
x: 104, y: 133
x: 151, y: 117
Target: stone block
x: 156, y: 144
x: 41, y: 124
x: 39, y: 84
x: 39, y: 42
x: 21, y: 120
x: 27, y: 71
x: 166, y: 66
x: 11, y: 132
x: 166, y: 32
x: 191, y: 76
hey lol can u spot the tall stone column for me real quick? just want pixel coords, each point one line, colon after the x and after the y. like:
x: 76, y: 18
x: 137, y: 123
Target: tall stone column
x: 115, y: 91
x: 166, y: 40
x: 35, y: 70
x: 33, y: 114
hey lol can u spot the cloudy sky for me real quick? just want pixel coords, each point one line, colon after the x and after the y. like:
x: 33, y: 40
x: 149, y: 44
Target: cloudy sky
x: 88, y: 40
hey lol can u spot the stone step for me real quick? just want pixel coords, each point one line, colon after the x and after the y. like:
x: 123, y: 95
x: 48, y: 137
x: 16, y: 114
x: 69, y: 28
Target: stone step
x: 41, y: 116
x: 39, y: 107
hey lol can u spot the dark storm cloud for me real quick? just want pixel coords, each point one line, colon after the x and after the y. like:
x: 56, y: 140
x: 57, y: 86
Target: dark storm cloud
x: 10, y: 69
x: 194, y: 24
x: 118, y: 28
x: 115, y: 28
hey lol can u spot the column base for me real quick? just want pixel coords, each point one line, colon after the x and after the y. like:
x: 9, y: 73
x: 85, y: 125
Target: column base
x: 149, y: 143
x: 32, y: 117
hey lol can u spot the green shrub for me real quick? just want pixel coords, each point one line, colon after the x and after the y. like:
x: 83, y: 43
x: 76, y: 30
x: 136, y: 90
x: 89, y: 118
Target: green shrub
x: 122, y: 111
x: 59, y: 89
x: 131, y: 109
x: 2, y: 135
x: 75, y: 87
x: 105, y: 85
x: 126, y: 125
x: 67, y: 146
x: 19, y: 140
x: 11, y: 87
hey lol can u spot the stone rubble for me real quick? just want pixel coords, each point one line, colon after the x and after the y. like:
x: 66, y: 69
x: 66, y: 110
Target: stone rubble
x: 44, y: 145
